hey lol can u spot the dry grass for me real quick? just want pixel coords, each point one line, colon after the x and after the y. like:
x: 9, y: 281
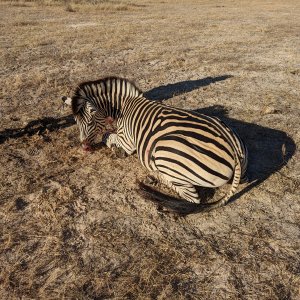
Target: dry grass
x: 73, y: 226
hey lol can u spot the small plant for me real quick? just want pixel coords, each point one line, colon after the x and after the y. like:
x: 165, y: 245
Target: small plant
x: 69, y: 6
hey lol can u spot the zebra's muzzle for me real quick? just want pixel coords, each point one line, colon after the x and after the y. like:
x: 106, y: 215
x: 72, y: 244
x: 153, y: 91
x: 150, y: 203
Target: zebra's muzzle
x: 86, y: 146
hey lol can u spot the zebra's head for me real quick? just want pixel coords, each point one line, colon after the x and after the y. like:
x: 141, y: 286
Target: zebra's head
x: 88, y: 118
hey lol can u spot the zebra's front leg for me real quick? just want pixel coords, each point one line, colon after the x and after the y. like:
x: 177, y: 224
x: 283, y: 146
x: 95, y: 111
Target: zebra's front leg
x: 111, y: 141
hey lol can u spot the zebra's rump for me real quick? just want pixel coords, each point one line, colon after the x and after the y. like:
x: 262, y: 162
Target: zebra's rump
x: 189, y: 160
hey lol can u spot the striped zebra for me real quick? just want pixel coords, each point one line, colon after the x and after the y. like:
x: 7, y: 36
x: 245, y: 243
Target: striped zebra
x: 183, y: 149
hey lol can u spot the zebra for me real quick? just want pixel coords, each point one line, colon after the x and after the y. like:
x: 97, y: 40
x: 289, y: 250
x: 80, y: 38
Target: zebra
x: 183, y: 149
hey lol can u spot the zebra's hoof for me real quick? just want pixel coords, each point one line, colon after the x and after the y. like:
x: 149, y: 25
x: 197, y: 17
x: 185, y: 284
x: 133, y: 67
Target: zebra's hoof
x: 151, y: 180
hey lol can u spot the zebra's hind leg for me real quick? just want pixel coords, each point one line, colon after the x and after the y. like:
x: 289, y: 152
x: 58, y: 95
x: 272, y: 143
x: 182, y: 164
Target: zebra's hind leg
x: 185, y: 190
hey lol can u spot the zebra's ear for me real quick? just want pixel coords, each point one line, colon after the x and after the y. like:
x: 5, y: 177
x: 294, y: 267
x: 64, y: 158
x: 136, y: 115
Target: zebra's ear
x: 77, y: 104
x: 67, y: 100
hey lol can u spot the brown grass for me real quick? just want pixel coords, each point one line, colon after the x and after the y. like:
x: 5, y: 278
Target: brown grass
x: 73, y: 226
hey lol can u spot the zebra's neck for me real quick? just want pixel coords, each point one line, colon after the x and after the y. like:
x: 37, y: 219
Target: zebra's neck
x: 109, y: 95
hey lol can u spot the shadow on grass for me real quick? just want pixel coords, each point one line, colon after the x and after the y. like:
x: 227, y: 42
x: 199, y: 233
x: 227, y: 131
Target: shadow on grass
x: 168, y: 91
x: 38, y: 126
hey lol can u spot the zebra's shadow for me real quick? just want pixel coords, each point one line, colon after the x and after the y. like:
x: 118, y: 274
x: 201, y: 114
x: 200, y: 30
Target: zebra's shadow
x: 38, y: 126
x: 168, y: 91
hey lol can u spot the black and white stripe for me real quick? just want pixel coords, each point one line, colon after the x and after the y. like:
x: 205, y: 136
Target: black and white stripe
x: 184, y: 149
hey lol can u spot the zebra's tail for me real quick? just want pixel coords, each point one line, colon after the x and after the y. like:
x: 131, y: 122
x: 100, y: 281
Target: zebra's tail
x: 235, y: 183
x: 182, y: 207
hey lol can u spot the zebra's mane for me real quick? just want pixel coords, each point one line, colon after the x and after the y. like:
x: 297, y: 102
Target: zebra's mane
x: 80, y: 92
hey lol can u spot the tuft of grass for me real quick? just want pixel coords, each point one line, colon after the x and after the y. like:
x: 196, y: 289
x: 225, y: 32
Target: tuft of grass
x: 70, y: 8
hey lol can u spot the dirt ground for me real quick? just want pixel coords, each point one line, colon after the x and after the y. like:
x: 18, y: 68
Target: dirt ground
x: 74, y: 225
